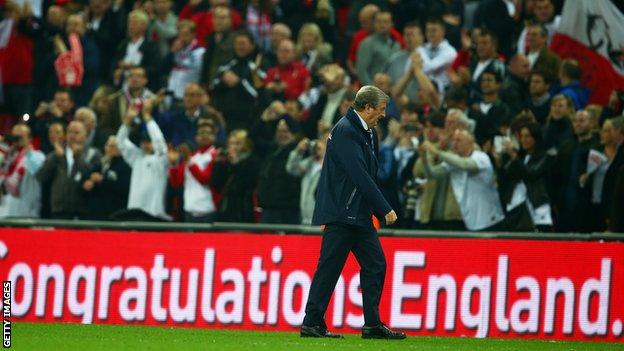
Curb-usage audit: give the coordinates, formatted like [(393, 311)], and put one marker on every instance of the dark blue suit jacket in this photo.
[(348, 192)]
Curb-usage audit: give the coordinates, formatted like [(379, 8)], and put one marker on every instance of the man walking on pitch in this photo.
[(347, 197)]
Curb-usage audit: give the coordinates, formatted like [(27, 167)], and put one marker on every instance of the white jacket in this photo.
[(148, 181)]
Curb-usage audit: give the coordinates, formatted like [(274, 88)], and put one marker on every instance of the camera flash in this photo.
[(26, 117)]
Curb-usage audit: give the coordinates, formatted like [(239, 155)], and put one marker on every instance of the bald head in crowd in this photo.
[(23, 132), (87, 117), (463, 142), (279, 32), (366, 15), (76, 133), (286, 52)]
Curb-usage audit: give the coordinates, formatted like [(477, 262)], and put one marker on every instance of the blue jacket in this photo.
[(348, 192), (576, 92)]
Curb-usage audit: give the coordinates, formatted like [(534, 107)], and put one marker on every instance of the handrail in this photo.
[(292, 229)]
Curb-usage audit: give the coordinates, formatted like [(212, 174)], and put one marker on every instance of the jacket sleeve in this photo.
[(530, 172), (351, 158), (157, 138), (48, 170), (296, 165), (129, 151)]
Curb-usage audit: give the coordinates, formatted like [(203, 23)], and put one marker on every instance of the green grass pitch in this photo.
[(31, 336)]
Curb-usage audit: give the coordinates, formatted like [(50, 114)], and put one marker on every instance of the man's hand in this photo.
[(230, 79), (77, 149), (96, 177), (173, 155), (41, 109), (58, 149), (130, 115), (148, 106), (391, 217), (303, 145)]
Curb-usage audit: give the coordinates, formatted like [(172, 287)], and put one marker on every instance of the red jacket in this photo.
[(17, 59), (295, 76), (205, 21)]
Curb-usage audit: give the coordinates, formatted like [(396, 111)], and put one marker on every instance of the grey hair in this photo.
[(89, 113), (369, 95), (618, 123)]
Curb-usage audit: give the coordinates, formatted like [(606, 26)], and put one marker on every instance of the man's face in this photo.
[(485, 47), (489, 84), (607, 133), (75, 25), (383, 23), (520, 66), (83, 116), (23, 133), (285, 52), (205, 136), (413, 37), (242, 46), (76, 133), (99, 7), (278, 33), (186, 36), (581, 123), (147, 147), (56, 16), (383, 82), (137, 79), (193, 96), (111, 149), (56, 133), (162, 7), (537, 85), (462, 143), (374, 114), (365, 17), (63, 101), (432, 133), (543, 10), (222, 19), (293, 109), (136, 27), (434, 33), (283, 135), (534, 38)]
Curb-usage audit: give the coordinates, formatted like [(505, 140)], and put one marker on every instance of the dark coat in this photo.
[(111, 195), (515, 93), (150, 60), (572, 201), (67, 195), (277, 189), (534, 175), (110, 32), (237, 184), (488, 125), (236, 103), (616, 223), (348, 192), (217, 54), (610, 180)]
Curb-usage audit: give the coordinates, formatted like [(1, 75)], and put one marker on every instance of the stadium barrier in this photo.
[(456, 284)]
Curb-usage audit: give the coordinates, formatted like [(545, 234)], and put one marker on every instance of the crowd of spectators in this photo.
[(217, 110)]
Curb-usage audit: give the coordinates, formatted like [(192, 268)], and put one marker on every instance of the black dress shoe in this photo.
[(381, 332), (317, 332)]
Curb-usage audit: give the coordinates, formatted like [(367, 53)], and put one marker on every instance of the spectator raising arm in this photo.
[(129, 151)]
